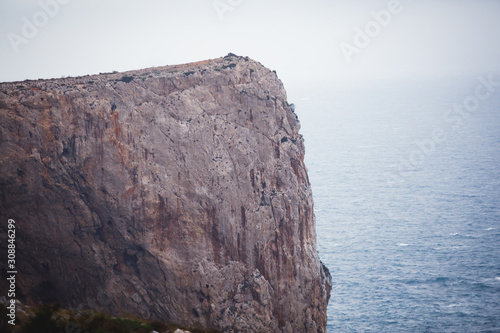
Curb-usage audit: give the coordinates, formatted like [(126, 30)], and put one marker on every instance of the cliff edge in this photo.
[(177, 193)]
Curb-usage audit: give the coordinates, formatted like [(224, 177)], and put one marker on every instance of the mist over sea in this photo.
[(407, 202)]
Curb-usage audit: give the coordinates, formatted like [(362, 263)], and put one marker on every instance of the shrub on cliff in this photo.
[(98, 322), (42, 321)]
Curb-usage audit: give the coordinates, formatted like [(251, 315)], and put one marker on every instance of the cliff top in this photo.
[(227, 62)]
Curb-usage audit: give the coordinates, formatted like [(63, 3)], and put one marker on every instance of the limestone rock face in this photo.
[(176, 193)]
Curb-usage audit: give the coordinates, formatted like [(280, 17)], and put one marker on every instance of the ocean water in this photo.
[(407, 203)]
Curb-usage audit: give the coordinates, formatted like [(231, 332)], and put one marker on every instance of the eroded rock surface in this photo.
[(178, 193)]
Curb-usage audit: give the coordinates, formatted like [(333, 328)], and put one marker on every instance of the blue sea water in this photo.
[(407, 204)]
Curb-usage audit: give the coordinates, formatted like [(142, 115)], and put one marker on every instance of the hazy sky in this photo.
[(304, 41)]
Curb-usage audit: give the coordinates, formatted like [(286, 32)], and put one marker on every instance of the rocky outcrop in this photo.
[(178, 193)]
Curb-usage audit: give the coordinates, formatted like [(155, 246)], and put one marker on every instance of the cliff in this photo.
[(178, 193)]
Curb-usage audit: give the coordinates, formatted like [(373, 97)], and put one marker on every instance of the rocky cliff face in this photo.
[(178, 193)]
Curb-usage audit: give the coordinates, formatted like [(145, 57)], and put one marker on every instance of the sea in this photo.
[(406, 184)]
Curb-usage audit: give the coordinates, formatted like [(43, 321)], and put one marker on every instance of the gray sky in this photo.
[(301, 40)]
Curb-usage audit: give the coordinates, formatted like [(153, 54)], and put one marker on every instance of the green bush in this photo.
[(127, 79), (98, 322), (53, 319), (231, 65), (326, 270), (42, 321)]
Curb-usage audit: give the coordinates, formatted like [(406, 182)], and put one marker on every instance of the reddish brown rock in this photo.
[(178, 193)]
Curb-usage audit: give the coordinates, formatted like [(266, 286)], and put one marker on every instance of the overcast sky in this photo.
[(306, 42)]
